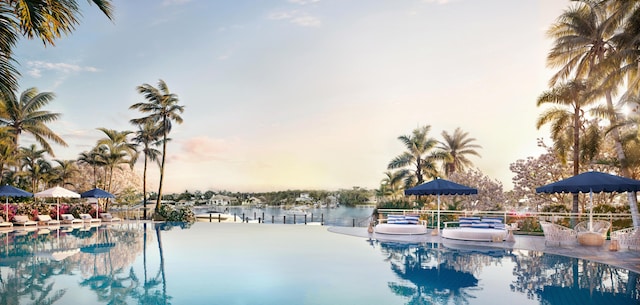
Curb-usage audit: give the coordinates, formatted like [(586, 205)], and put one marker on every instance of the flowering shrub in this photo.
[(182, 214)]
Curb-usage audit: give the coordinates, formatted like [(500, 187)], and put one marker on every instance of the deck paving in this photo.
[(623, 258)]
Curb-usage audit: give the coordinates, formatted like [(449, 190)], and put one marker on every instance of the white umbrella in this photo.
[(57, 192)]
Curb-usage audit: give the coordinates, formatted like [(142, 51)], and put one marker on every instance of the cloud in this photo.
[(296, 17), (304, 2), (203, 149), (35, 68)]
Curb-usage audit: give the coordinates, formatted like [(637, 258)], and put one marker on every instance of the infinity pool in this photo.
[(228, 263)]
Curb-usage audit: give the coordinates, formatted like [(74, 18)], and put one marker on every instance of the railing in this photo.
[(528, 223)]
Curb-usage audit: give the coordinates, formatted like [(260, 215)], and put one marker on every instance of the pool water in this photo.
[(229, 263)]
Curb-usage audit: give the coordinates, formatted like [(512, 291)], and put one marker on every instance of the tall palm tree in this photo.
[(567, 120), (458, 146), (420, 155), (43, 19), (25, 114), (147, 136), (116, 150), (585, 37), (163, 108)]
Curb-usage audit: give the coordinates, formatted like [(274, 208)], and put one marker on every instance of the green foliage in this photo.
[(180, 214), (556, 208)]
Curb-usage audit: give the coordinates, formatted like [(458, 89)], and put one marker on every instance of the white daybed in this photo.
[(476, 229), (401, 224)]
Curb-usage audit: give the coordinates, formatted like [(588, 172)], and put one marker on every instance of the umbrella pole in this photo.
[(590, 210), (438, 228)]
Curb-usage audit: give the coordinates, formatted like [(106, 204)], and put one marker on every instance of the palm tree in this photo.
[(115, 150), (163, 109), (458, 146), (585, 37), (147, 136), (391, 184), (65, 170), (567, 124), (92, 159), (25, 115), (419, 154), (47, 20), (34, 164)]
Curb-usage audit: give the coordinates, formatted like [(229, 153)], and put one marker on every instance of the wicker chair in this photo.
[(629, 237), (597, 226), (557, 233)]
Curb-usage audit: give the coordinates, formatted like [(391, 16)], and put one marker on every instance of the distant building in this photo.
[(221, 200)]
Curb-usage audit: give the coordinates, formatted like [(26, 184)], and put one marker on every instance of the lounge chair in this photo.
[(69, 219), (47, 220), (594, 235), (86, 218), (628, 238), (557, 233), (23, 220), (5, 224), (107, 217)]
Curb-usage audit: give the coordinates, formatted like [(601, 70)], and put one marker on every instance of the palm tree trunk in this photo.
[(144, 189), (164, 153), (576, 160), (624, 169)]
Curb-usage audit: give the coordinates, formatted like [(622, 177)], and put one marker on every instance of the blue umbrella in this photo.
[(590, 182), (10, 191), (97, 193), (440, 187)]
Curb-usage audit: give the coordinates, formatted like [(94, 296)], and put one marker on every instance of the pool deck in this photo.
[(627, 259)]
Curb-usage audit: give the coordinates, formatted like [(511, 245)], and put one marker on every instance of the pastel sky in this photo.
[(302, 94)]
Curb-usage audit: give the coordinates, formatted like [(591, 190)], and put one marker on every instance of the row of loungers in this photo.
[(46, 220)]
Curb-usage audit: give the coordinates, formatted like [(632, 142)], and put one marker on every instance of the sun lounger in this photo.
[(476, 229), (47, 220), (5, 224), (86, 218), (557, 233), (69, 219), (107, 217), (401, 225), (23, 220)]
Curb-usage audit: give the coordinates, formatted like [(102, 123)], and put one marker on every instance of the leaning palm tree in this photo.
[(43, 19), (458, 146), (568, 123), (147, 136), (163, 108), (25, 114), (420, 155)]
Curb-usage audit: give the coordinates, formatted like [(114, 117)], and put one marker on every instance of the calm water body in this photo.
[(233, 263), (340, 216)]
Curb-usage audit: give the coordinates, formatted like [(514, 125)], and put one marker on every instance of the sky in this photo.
[(302, 94)]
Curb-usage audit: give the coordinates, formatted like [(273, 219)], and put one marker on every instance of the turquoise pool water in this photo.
[(228, 263)]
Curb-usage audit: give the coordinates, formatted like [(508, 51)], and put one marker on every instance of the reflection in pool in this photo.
[(204, 263)]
